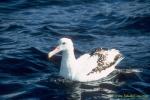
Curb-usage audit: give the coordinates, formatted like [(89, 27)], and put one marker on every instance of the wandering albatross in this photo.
[(88, 67)]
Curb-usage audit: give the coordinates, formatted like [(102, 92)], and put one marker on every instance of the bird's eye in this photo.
[(63, 43)]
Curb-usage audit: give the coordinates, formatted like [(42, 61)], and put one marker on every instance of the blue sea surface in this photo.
[(29, 29)]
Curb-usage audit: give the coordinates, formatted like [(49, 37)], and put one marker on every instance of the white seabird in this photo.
[(88, 67)]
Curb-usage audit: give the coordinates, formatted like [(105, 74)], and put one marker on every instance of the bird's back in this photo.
[(93, 65)]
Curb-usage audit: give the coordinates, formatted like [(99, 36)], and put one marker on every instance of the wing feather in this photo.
[(106, 58)]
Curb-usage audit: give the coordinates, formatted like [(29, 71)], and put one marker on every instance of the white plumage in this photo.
[(88, 67)]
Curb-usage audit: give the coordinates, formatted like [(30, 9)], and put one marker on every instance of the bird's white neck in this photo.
[(68, 64)]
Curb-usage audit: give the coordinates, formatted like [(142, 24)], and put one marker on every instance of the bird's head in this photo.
[(64, 44)]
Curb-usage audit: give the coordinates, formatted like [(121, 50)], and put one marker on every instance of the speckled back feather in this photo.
[(102, 64)]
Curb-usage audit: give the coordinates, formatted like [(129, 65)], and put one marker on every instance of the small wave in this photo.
[(139, 23), (14, 66), (5, 41), (9, 88), (12, 27)]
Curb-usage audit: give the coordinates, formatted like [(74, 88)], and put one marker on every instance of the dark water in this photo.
[(30, 28)]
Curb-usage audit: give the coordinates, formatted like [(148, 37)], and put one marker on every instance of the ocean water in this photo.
[(29, 29)]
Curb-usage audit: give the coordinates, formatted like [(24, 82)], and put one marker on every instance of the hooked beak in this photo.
[(52, 53)]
